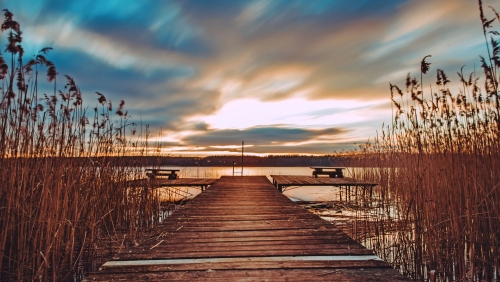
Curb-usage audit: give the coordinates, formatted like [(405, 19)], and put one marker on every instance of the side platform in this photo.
[(284, 181), (202, 183)]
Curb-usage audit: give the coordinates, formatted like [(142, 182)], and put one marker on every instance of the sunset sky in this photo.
[(285, 76)]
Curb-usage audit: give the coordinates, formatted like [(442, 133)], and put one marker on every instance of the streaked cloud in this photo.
[(288, 76), (247, 113)]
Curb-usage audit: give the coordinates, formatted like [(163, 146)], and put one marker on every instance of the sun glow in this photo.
[(247, 113), (230, 146)]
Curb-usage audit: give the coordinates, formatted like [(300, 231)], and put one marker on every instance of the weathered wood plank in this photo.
[(323, 274), (249, 265), (165, 247), (227, 253), (246, 234), (249, 240), (231, 217), (229, 243)]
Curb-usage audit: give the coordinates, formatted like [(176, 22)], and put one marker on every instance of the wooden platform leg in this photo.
[(364, 195), (356, 194)]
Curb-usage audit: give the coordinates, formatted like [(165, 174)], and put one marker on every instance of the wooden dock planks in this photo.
[(179, 182), (244, 229), (304, 180)]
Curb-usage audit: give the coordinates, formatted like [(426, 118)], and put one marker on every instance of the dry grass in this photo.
[(438, 165), (59, 216)]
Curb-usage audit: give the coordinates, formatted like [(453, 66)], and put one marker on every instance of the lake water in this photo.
[(309, 193)]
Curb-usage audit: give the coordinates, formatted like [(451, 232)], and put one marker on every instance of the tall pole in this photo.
[(242, 148)]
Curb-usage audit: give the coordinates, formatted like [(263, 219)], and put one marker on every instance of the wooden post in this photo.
[(356, 194), (242, 149)]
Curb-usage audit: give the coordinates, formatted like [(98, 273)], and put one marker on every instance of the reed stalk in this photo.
[(65, 205)]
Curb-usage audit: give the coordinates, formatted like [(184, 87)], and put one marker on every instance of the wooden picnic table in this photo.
[(159, 172), (332, 172)]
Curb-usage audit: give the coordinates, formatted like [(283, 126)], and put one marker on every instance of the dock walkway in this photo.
[(244, 229)]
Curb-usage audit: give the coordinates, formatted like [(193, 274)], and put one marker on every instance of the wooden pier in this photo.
[(244, 229)]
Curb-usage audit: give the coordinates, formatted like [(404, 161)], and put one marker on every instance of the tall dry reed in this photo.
[(438, 165), (61, 215)]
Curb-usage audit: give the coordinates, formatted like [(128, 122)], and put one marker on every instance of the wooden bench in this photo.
[(332, 172), (153, 173)]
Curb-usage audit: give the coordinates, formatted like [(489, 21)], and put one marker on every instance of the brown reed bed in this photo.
[(438, 165), (61, 216)]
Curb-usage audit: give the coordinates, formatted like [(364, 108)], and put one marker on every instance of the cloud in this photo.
[(246, 113), (117, 53), (218, 71), (261, 136)]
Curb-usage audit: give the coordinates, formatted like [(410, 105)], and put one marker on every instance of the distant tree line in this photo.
[(271, 160)]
